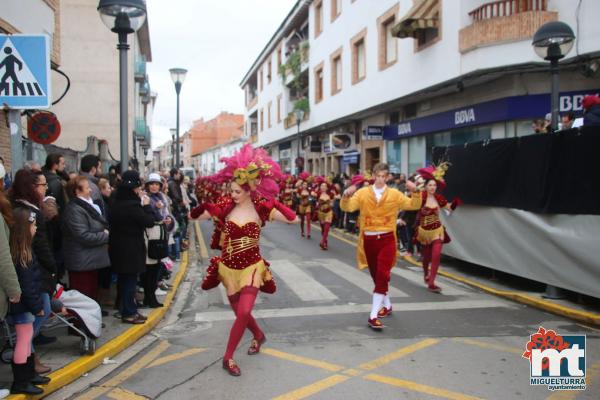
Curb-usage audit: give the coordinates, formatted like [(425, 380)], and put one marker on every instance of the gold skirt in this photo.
[(325, 216), (426, 236), (235, 279), (304, 209)]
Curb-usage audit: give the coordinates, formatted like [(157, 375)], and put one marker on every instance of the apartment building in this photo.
[(387, 80)]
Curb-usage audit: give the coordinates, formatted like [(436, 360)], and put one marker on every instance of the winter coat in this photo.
[(31, 289), (42, 247), (55, 188), (85, 244), (9, 282), (128, 221), (592, 116), (96, 193)]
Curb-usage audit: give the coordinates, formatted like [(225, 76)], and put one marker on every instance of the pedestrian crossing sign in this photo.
[(24, 71)]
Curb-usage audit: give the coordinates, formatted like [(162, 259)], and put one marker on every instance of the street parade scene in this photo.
[(341, 199)]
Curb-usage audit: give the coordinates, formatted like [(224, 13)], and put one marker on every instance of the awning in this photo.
[(423, 15)]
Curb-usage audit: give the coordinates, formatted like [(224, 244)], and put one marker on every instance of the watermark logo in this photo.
[(556, 361)]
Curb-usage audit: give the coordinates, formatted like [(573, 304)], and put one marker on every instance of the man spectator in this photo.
[(90, 165), (566, 121), (55, 164), (175, 189)]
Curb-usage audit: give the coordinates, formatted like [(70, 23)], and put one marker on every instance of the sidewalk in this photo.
[(64, 357), (577, 307)]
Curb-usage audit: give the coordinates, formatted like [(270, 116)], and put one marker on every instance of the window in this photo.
[(336, 9), (336, 71), (278, 57), (416, 153), (388, 44), (425, 37), (262, 119), (260, 80), (318, 17), (394, 160), (319, 82), (269, 71), (359, 57), (269, 113), (279, 109)]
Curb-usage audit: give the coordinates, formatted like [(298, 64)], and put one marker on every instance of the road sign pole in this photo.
[(16, 141)]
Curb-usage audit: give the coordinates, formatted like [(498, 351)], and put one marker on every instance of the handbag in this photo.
[(158, 248)]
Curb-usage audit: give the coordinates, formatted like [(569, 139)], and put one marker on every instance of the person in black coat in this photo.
[(130, 216)]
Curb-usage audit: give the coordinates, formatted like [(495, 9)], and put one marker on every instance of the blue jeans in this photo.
[(39, 321), (175, 248), (126, 286)]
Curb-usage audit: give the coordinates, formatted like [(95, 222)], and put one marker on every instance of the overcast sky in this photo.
[(216, 41)]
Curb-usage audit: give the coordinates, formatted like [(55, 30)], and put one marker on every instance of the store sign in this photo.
[(315, 146), (285, 153), (373, 133), (339, 142), (505, 109), (351, 157)]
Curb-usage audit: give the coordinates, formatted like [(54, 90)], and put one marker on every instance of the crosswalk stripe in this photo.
[(301, 283), (214, 316), (358, 278), (417, 279)]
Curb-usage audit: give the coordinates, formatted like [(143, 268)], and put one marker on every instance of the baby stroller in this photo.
[(83, 318)]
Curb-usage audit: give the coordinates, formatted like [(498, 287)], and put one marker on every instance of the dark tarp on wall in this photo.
[(545, 173)]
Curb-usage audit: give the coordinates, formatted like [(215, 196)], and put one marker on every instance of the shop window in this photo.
[(416, 153), (393, 156)]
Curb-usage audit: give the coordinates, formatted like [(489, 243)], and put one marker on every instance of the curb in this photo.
[(572, 313), (75, 369)]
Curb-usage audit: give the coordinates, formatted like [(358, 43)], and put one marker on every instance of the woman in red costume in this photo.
[(430, 232), (286, 195), (241, 268), (304, 210), (325, 196)]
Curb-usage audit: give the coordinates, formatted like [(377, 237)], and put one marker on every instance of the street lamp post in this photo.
[(123, 17), (178, 76), (299, 116), (172, 148), (552, 42)]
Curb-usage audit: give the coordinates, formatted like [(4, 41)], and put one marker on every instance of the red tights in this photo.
[(324, 234), (431, 255), (242, 304), (302, 218)]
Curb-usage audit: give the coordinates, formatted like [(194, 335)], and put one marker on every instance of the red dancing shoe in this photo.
[(384, 312), (434, 289), (231, 367), (255, 345), (376, 324)]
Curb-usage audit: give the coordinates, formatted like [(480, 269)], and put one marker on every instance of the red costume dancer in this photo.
[(430, 232), (325, 196), (304, 203), (286, 195), (241, 268)]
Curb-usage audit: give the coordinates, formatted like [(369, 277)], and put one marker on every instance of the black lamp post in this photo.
[(123, 17), (178, 76), (172, 148), (552, 42), (299, 116)]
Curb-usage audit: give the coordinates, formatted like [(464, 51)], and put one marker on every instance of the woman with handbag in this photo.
[(157, 239)]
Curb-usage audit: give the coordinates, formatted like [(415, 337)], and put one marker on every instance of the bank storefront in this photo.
[(409, 143)]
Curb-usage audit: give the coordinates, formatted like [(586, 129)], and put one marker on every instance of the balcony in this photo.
[(140, 69), (295, 64), (290, 120), (504, 21), (141, 130)]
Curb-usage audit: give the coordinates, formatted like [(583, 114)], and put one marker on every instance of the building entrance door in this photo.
[(372, 157)]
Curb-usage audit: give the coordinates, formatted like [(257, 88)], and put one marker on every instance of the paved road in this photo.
[(462, 344)]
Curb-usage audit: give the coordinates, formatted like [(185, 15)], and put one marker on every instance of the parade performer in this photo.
[(379, 207), (431, 233), (241, 268), (286, 195), (304, 203), (325, 196)]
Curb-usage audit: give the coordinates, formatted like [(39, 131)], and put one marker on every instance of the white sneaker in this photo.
[(4, 393), (160, 292)]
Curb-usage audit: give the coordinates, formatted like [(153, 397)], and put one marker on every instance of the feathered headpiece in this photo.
[(252, 169), (435, 173)]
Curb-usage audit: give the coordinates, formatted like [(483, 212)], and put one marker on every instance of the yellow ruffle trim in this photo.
[(235, 279), (425, 236)]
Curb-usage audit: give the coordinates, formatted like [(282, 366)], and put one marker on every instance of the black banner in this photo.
[(542, 173)]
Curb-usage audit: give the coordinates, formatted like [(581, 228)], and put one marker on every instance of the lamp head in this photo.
[(178, 75), (122, 16), (553, 40), (299, 115)]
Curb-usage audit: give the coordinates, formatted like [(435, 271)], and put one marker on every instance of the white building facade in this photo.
[(208, 162), (464, 71)]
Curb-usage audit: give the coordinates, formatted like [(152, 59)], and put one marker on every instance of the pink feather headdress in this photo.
[(252, 169)]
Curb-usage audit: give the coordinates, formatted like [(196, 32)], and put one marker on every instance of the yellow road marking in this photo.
[(311, 389), (492, 346), (200, 239), (122, 394), (417, 387), (175, 357), (592, 374), (352, 372), (302, 360), (371, 365), (126, 374)]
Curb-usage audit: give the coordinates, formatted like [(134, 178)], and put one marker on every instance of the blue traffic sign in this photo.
[(24, 71)]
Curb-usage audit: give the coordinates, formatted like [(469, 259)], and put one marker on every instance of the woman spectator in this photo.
[(130, 216), (27, 192), (85, 238), (9, 283), (105, 274)]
